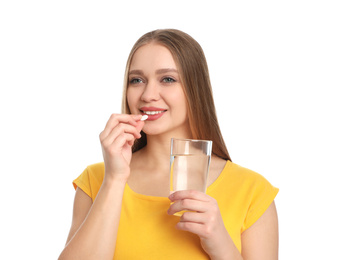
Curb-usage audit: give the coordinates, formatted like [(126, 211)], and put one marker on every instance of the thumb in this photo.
[(139, 125)]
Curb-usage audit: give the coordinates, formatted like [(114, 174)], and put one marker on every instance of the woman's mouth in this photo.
[(153, 113)]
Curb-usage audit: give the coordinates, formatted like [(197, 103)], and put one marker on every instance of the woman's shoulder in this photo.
[(233, 173), (96, 172), (90, 179), (247, 180), (96, 168), (242, 173), (253, 190)]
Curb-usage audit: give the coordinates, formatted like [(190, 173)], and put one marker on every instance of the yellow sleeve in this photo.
[(262, 195), (90, 180)]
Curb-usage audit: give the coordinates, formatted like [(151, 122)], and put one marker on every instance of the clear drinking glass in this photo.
[(189, 164)]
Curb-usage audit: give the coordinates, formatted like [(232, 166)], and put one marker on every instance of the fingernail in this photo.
[(144, 117)]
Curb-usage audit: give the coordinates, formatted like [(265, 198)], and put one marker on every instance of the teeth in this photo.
[(152, 112)]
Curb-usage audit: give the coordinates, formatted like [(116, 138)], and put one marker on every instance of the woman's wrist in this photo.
[(115, 179)]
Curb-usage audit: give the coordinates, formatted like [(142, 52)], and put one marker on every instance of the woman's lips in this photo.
[(153, 113)]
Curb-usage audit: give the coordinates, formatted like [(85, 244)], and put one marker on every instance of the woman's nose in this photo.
[(151, 92)]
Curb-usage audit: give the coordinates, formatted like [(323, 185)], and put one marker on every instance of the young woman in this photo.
[(121, 207)]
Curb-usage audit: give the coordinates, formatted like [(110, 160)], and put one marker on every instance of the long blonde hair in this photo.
[(194, 74)]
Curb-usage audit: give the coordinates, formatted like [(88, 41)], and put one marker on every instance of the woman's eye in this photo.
[(168, 80), (135, 81)]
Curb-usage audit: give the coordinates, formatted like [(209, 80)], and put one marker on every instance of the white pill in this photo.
[(144, 117)]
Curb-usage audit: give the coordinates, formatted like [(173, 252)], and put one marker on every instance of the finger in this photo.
[(115, 148), (196, 228), (188, 204), (139, 125), (115, 119), (196, 217), (118, 130), (121, 141), (189, 194)]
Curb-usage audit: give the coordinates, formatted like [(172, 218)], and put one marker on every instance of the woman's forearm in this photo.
[(96, 237)]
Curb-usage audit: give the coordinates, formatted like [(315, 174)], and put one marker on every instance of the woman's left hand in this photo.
[(204, 219)]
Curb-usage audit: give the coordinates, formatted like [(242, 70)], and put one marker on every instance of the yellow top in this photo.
[(146, 231)]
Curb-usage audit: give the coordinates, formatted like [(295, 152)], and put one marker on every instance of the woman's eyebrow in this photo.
[(159, 71), (136, 72), (163, 71)]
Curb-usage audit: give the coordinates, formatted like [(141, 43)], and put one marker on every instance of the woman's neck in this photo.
[(157, 151)]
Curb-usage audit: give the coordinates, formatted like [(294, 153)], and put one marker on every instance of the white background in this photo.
[(273, 66)]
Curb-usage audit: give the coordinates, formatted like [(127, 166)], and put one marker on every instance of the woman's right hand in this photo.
[(116, 141)]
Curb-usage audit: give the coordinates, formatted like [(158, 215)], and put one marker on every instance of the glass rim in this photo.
[(190, 140)]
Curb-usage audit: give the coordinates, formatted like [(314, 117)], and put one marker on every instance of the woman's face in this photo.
[(155, 89)]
